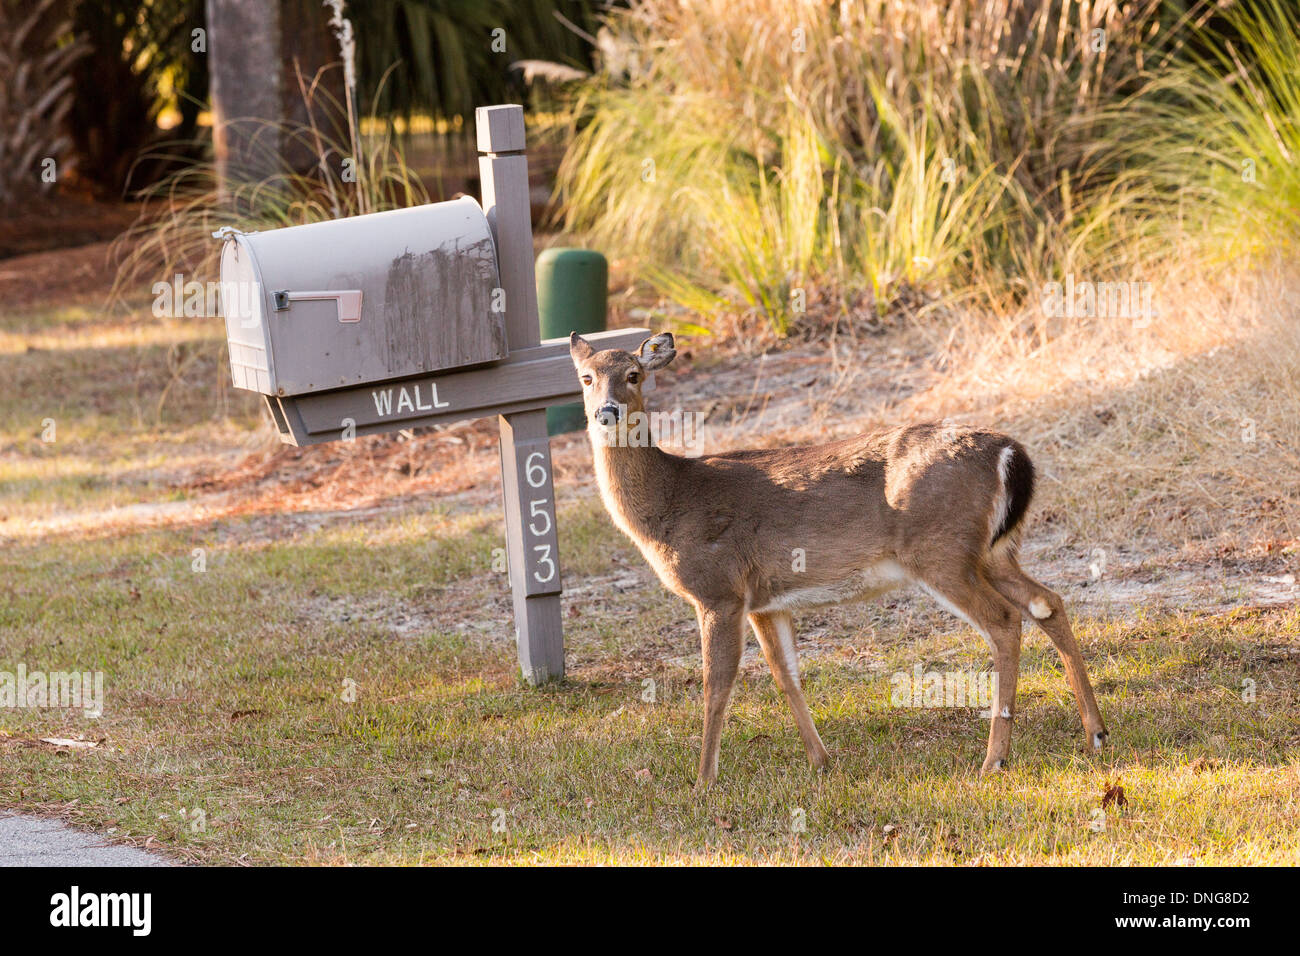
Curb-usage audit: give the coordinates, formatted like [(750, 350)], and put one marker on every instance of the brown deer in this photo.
[(938, 505)]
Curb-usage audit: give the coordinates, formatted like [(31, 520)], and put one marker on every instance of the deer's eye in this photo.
[(586, 380), (633, 377)]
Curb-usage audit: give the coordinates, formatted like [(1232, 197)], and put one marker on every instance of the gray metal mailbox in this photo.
[(421, 316), (371, 298)]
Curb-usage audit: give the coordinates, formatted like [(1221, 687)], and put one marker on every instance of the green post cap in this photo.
[(572, 294)]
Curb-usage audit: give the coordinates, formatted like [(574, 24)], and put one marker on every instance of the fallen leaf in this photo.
[(722, 822), (1114, 795)]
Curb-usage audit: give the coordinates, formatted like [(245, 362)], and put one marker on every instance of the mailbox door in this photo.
[(369, 298), (247, 333)]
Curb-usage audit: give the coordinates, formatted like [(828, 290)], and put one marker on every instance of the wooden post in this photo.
[(532, 545)]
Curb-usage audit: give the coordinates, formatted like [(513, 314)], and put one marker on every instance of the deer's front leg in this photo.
[(721, 631)]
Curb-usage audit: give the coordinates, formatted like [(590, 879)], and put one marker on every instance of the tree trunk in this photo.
[(258, 49)]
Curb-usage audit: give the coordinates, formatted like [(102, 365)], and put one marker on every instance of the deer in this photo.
[(938, 505)]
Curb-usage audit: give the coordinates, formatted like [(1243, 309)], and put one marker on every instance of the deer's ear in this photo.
[(579, 350), (656, 351)]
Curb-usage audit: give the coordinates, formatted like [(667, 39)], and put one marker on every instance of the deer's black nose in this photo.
[(607, 415)]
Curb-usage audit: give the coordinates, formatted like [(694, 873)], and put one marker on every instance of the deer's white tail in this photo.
[(1016, 477)]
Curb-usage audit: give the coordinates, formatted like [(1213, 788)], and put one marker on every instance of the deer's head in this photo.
[(612, 379)]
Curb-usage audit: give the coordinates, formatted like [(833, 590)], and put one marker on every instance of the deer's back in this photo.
[(825, 523)]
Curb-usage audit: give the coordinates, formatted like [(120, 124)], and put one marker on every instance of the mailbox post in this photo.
[(415, 317), (532, 543)]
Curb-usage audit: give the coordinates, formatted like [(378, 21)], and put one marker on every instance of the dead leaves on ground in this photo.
[(1114, 796)]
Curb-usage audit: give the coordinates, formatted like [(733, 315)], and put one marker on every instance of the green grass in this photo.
[(224, 691), (1220, 134)]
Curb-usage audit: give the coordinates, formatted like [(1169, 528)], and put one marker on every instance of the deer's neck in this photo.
[(637, 486)]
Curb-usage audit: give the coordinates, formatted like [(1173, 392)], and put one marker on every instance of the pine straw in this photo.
[(362, 473)]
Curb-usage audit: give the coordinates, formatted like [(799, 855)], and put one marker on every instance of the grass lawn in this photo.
[(226, 692), (303, 684)]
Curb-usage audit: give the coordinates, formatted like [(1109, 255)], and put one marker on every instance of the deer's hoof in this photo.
[(993, 766), (1098, 740)]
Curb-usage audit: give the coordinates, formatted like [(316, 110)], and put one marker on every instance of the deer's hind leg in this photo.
[(775, 630), (968, 594), (1045, 607)]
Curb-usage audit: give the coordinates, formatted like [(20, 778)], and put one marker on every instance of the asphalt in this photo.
[(32, 841)]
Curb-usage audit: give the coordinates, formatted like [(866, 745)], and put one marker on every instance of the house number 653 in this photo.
[(539, 511)]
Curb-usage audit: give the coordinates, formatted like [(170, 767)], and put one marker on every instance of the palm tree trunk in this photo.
[(259, 50)]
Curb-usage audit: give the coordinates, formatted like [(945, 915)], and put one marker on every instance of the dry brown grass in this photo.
[(1184, 432)]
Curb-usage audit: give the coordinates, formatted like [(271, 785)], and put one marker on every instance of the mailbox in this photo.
[(417, 317), (368, 299)]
